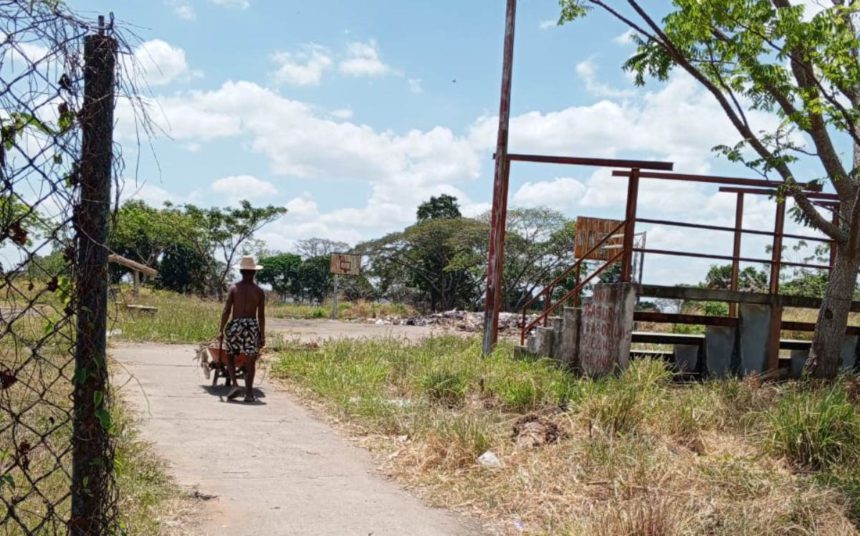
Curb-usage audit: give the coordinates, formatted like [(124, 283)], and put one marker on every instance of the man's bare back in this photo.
[(243, 322), (246, 299)]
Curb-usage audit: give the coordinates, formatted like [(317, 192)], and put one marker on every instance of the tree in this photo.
[(749, 279), (320, 247), (281, 271), (430, 261), (182, 269), (443, 207), (768, 55), (143, 233), (315, 278), (220, 233)]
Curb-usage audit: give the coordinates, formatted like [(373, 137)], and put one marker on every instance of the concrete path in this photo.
[(273, 468)]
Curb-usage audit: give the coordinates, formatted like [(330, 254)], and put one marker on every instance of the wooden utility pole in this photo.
[(92, 458)]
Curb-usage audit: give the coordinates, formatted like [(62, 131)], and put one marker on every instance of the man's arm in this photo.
[(228, 309), (261, 318)]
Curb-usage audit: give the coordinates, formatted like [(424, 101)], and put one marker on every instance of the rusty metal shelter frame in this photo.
[(635, 171)]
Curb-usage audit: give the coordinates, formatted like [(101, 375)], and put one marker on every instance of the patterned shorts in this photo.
[(243, 337)]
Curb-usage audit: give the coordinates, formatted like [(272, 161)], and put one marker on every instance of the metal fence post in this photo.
[(496, 262), (630, 226), (736, 252), (92, 458), (779, 230)]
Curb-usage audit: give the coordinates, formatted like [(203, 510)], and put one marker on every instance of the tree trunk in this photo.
[(825, 358)]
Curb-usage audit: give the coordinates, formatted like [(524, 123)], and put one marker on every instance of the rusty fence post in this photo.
[(776, 257), (630, 225), (496, 260), (92, 458), (736, 252)]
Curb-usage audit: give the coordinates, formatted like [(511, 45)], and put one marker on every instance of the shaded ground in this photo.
[(269, 468)]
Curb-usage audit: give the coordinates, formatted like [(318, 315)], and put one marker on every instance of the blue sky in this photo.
[(351, 113)]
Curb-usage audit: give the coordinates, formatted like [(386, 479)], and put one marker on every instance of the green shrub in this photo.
[(445, 386), (814, 429)]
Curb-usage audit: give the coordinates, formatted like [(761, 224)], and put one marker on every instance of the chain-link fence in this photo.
[(56, 120)]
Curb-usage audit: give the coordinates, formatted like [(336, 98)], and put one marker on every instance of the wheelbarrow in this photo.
[(213, 359)]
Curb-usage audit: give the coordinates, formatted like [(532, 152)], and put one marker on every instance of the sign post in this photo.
[(342, 264), (334, 300)]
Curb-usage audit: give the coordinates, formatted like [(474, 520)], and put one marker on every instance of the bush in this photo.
[(814, 429), (445, 387)]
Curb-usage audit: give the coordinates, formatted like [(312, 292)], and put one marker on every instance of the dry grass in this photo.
[(638, 454), (38, 485)]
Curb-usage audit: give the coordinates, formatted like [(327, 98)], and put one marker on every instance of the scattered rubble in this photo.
[(533, 431), (454, 319), (489, 459)]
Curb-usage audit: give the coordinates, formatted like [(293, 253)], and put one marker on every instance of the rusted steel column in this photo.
[(779, 229), (630, 226), (577, 300), (500, 192), (736, 251)]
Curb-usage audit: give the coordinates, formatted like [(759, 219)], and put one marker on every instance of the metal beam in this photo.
[(596, 162), (710, 179)]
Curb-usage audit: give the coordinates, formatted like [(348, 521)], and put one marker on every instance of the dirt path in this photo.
[(273, 468)]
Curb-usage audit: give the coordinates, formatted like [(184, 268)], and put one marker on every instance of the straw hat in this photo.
[(248, 263)]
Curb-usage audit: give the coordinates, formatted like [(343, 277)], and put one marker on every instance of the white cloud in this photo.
[(625, 39), (415, 86), (560, 194), (25, 52), (241, 4), (363, 59), (182, 9), (342, 113), (304, 68), (302, 206), (676, 122), (244, 187), (587, 70), (160, 63), (547, 24)]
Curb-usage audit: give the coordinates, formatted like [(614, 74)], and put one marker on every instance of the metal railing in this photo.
[(576, 269)]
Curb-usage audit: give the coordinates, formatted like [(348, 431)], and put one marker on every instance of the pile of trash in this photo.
[(454, 319)]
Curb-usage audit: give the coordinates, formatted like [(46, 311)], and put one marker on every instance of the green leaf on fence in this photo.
[(104, 418)]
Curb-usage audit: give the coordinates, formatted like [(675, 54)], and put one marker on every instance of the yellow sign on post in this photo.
[(345, 264)]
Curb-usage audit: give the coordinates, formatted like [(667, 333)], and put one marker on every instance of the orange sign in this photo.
[(345, 264), (590, 231)]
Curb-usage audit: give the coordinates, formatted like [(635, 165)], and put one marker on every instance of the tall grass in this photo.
[(816, 429), (639, 454), (178, 319)]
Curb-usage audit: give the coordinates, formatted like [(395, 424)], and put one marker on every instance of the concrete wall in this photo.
[(754, 331), (607, 328), (567, 347), (720, 350)]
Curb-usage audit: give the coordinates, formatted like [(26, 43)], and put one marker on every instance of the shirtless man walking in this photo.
[(245, 333)]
